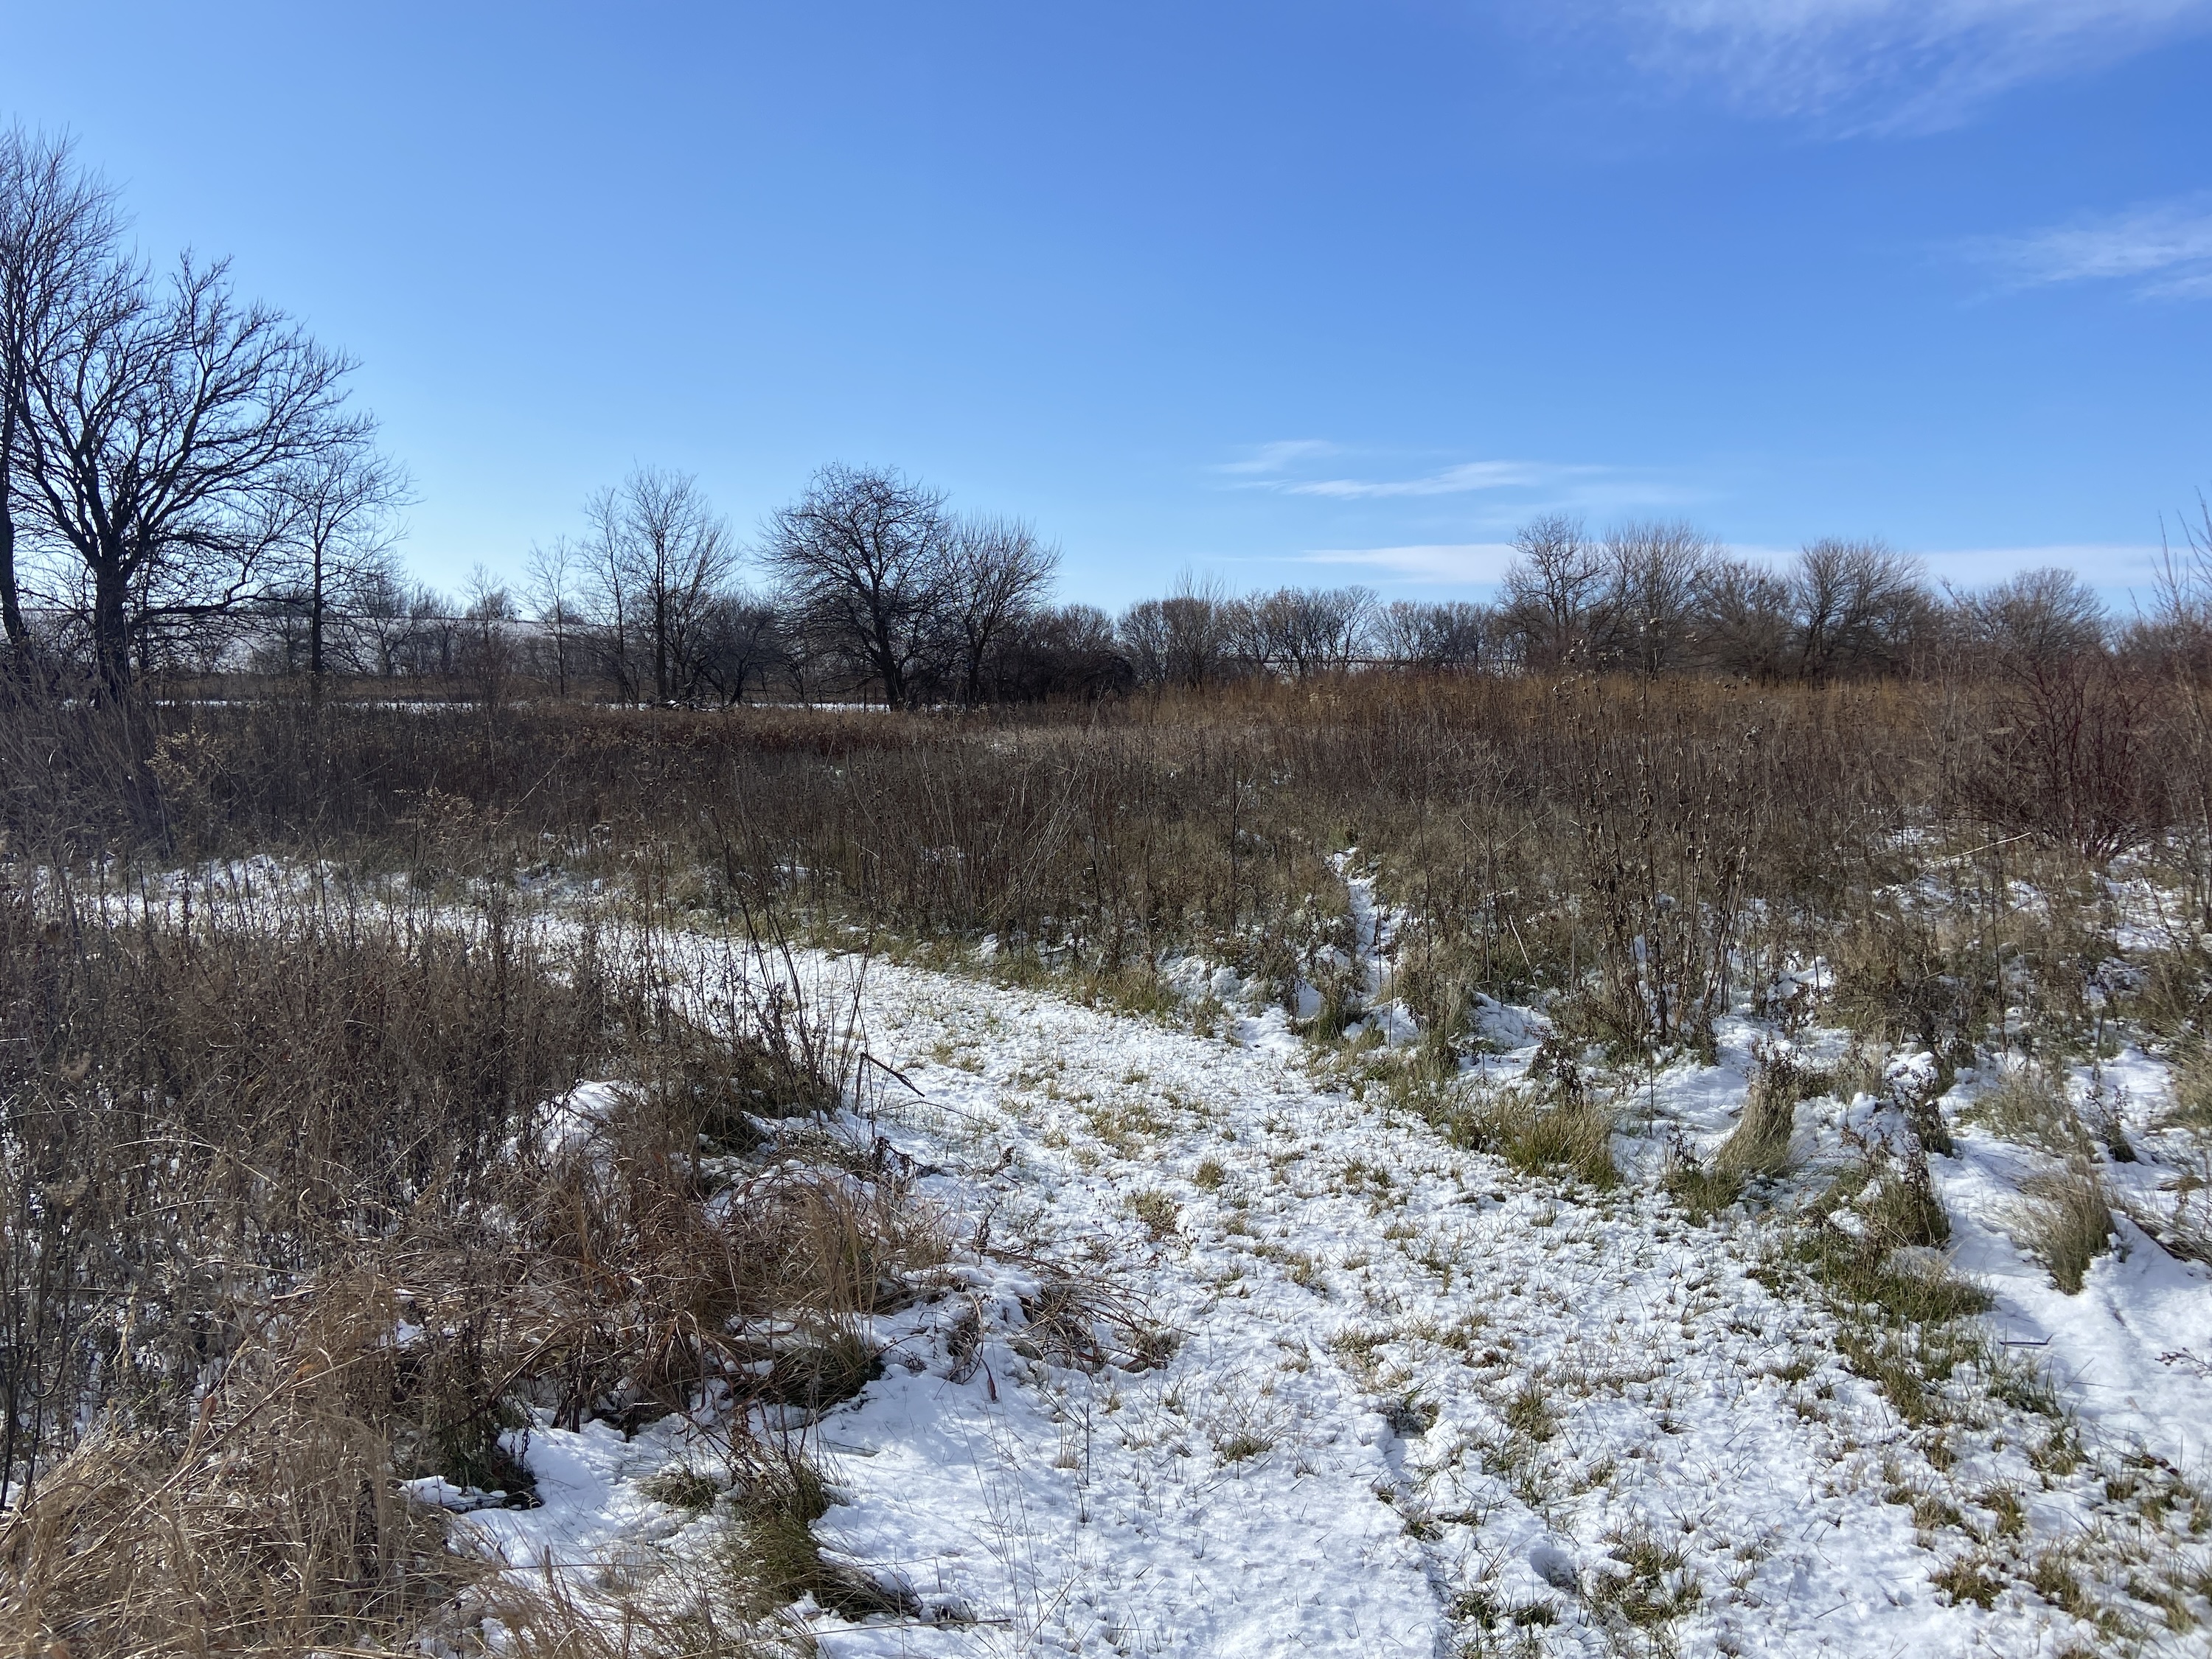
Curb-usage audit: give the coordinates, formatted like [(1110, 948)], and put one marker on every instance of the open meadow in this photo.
[(1393, 1165)]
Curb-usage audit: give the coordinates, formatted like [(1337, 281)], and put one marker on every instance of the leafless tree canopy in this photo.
[(661, 557), (335, 525), (1188, 639), (1301, 631), (152, 422), (1858, 607), (57, 228), (864, 556), (183, 484), (1651, 602), (1552, 593), (1655, 597), (1450, 634), (2038, 616), (998, 573), (1746, 611)]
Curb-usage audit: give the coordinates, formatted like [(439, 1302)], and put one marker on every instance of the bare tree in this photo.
[(1142, 634), (1186, 639), (1299, 631), (661, 555), (1653, 572), (555, 576), (487, 654), (2066, 749), (865, 556), (57, 233), (1858, 603), (337, 511), (2038, 618), (998, 573), (1064, 651), (741, 636), (155, 423), (1745, 623), (805, 648), (1448, 634), (1261, 628), (430, 636), (1552, 593), (2184, 578), (380, 621)]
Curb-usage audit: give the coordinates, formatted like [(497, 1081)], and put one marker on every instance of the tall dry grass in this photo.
[(250, 1131), (1641, 850), (298, 1200)]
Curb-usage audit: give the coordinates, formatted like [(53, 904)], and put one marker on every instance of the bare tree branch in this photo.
[(867, 554), (58, 233), (157, 421)]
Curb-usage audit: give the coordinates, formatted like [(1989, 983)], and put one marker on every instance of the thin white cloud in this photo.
[(1506, 491), (1458, 480), (1279, 456), (2112, 566), (2164, 249), (1893, 65), (1445, 562), (2116, 567)]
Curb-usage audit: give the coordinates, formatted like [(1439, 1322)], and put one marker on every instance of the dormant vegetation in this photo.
[(431, 1021)]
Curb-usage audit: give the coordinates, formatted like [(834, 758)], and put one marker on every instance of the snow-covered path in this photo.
[(1236, 1359), (1416, 1399)]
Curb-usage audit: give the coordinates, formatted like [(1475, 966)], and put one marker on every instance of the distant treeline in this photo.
[(185, 490), (870, 588)]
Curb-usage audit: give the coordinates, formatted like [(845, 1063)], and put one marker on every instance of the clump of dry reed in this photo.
[(1628, 850), (267, 1519), (252, 1135)]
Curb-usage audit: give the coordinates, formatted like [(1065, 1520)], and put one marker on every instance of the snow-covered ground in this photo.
[(1355, 1391)]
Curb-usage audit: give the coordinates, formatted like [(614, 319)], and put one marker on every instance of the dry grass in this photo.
[(1902, 1321), (1159, 1213), (267, 1521), (2193, 1091), (1536, 1130), (2065, 1221), (1637, 853), (232, 1128), (1529, 832), (238, 1123), (1759, 1147), (2030, 1107)]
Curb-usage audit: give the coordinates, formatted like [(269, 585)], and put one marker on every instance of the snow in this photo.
[(577, 1124), (1411, 1394), (2132, 1348), (1361, 1391)]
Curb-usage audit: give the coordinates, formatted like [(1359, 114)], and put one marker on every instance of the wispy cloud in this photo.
[(1467, 477), (1893, 65), (2115, 566), (1443, 561), (2163, 249), (1279, 456), (1503, 491)]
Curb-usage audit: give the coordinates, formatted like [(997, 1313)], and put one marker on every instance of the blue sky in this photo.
[(1293, 292)]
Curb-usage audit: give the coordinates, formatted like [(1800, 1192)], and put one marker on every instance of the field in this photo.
[(1383, 1163)]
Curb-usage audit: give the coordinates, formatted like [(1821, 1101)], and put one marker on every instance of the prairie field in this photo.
[(1380, 1164)]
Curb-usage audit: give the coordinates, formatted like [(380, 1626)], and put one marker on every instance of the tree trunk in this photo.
[(11, 598), (11, 603), (110, 626), (315, 628), (887, 666)]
